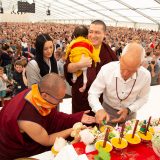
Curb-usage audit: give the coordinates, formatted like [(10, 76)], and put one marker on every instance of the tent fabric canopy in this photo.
[(129, 11)]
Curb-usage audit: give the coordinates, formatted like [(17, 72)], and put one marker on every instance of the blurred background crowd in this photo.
[(17, 48)]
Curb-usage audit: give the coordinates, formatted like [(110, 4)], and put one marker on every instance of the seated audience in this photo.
[(28, 51), (19, 77), (155, 72), (3, 85), (60, 65)]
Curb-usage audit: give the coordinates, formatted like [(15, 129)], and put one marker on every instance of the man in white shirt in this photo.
[(125, 86)]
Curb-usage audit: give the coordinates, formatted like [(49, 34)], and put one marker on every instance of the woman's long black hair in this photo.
[(44, 68)]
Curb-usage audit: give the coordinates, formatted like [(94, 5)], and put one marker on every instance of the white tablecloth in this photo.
[(67, 153)]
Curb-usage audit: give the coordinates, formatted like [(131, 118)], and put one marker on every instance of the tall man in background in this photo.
[(96, 35)]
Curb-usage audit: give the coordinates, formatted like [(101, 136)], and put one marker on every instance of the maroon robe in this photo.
[(13, 143), (80, 99)]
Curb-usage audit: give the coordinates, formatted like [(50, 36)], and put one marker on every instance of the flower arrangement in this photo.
[(155, 122), (129, 125), (156, 140)]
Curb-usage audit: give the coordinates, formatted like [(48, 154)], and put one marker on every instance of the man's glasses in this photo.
[(57, 99)]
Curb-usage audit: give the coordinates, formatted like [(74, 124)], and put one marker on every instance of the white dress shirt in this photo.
[(105, 83)]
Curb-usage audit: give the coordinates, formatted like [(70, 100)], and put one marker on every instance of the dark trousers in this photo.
[(113, 114)]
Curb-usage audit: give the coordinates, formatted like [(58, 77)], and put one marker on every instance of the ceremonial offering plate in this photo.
[(145, 138), (117, 145), (104, 127), (132, 141), (108, 146)]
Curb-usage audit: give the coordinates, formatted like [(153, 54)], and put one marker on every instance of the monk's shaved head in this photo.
[(52, 84)]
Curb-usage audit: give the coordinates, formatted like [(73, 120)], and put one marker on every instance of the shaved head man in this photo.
[(125, 86), (29, 124), (131, 59)]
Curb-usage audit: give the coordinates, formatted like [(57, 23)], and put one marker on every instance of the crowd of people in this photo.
[(18, 42), (33, 54)]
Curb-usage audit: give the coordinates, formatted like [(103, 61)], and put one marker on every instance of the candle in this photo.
[(106, 137), (121, 134), (135, 127), (148, 125)]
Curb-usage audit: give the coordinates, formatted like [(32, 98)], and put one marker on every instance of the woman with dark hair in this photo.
[(44, 61)]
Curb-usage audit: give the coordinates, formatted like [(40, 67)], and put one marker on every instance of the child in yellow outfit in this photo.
[(78, 47)]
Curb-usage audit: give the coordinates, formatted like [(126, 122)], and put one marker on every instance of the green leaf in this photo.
[(102, 154)]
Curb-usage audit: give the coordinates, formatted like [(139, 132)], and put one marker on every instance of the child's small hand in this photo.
[(85, 61)]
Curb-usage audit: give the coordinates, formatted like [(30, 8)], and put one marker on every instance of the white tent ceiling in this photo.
[(116, 11)]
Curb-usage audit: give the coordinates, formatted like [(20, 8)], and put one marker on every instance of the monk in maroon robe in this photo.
[(96, 35), (29, 124)]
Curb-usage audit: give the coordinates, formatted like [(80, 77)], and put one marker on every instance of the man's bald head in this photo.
[(52, 84), (133, 53), (132, 58)]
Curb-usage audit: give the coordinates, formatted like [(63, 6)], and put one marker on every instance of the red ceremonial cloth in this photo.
[(142, 151)]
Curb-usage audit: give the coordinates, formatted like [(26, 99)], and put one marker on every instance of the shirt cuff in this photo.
[(132, 108), (95, 109)]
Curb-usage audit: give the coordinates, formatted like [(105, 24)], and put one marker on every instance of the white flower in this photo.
[(77, 126), (86, 136), (156, 143), (156, 140), (59, 143), (157, 129)]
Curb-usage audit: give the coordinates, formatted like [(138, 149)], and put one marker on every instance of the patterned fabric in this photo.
[(78, 47), (142, 151)]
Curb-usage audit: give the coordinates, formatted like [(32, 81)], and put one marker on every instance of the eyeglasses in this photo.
[(57, 99)]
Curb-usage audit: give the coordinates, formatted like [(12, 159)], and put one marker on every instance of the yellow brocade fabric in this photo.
[(75, 53), (35, 98)]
